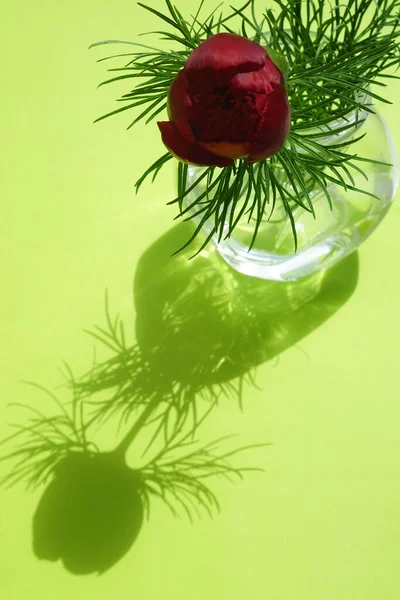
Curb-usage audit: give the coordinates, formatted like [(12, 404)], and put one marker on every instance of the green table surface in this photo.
[(322, 521)]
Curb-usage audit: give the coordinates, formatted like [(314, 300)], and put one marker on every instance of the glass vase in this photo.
[(334, 232)]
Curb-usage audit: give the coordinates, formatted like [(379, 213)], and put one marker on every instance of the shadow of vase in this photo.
[(202, 323)]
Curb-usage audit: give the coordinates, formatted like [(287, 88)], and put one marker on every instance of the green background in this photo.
[(323, 520)]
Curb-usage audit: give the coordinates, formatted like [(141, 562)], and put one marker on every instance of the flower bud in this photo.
[(228, 102)]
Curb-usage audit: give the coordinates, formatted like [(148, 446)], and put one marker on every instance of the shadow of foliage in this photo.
[(201, 331)]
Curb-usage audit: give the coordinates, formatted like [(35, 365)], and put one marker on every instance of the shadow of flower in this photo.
[(90, 514), (95, 503)]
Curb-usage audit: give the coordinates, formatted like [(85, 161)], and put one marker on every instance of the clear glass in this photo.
[(333, 234)]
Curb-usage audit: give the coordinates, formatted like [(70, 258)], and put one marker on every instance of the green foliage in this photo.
[(337, 55)]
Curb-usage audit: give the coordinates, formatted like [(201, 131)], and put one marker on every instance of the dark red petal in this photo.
[(186, 151), (220, 57), (263, 81), (178, 99), (226, 50), (179, 104), (274, 127), (260, 152)]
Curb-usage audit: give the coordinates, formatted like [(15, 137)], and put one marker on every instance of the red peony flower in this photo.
[(229, 101)]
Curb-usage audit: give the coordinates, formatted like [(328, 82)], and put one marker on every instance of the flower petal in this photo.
[(178, 99), (263, 81), (179, 104), (220, 57), (227, 149), (186, 151), (274, 127), (225, 51)]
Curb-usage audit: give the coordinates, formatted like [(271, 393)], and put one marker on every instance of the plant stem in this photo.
[(123, 446)]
